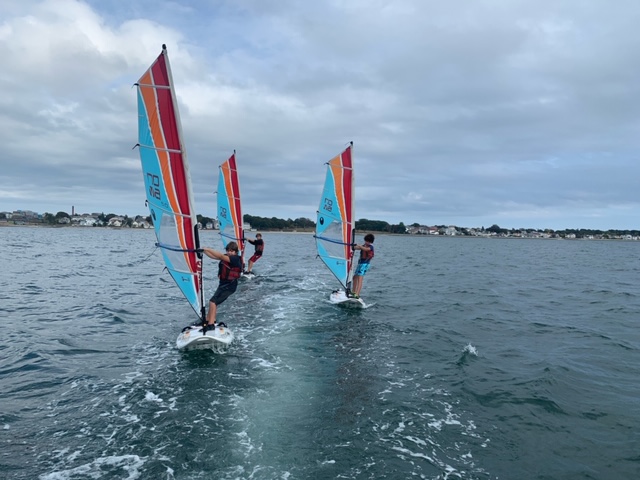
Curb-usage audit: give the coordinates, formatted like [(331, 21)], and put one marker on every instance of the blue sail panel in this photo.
[(225, 218), (329, 227)]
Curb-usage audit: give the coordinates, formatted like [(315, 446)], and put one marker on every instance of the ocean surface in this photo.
[(477, 359)]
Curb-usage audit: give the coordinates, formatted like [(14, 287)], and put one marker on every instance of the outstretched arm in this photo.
[(216, 255)]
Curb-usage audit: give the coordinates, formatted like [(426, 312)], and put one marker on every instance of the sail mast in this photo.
[(352, 219), (194, 219)]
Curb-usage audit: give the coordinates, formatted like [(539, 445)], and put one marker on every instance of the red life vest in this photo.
[(226, 271), (367, 255)]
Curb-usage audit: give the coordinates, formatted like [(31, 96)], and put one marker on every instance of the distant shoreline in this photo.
[(311, 232)]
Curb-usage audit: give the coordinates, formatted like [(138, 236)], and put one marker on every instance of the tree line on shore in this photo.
[(262, 223)]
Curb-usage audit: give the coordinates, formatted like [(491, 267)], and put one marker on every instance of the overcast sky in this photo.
[(472, 113)]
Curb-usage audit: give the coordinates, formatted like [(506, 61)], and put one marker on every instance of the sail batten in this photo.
[(151, 147), (167, 181), (150, 85), (335, 218)]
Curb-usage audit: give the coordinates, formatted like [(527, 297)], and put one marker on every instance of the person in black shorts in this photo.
[(229, 270)]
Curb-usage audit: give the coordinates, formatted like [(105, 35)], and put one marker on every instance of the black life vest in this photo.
[(258, 243)]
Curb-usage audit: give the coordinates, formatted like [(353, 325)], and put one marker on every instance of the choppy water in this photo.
[(481, 359)]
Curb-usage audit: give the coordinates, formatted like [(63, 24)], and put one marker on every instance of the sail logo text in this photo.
[(328, 205), (154, 182)]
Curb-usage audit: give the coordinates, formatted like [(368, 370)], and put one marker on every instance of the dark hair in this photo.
[(258, 235), (232, 246), (369, 238)]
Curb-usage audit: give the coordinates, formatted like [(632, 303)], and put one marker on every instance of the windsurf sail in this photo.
[(167, 180), (230, 216), (335, 224)]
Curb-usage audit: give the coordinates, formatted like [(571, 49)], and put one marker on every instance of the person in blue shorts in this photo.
[(366, 254)]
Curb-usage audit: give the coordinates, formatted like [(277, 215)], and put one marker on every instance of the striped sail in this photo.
[(167, 181), (230, 216), (335, 221)]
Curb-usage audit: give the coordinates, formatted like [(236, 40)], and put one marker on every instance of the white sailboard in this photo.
[(340, 297), (193, 338)]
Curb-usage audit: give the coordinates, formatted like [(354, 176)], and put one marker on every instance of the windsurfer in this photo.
[(259, 244), (366, 254), (229, 270)]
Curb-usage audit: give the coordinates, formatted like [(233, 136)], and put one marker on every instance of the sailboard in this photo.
[(230, 217), (335, 225), (169, 195)]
